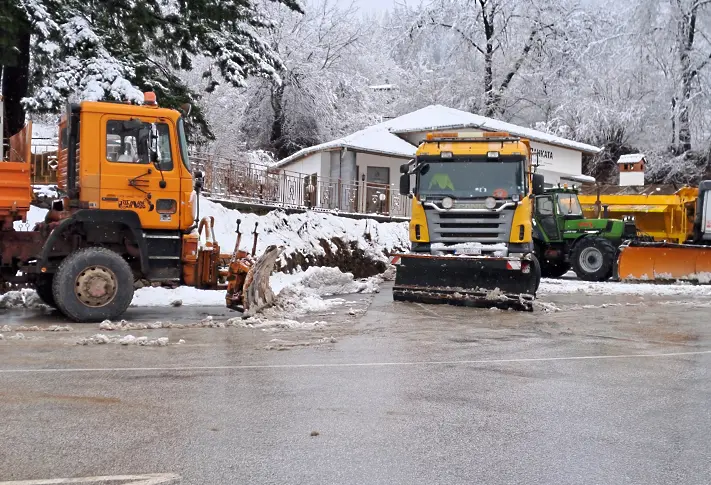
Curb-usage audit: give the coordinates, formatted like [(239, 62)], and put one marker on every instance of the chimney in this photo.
[(631, 169)]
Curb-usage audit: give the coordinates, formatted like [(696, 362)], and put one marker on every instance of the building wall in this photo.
[(310, 164), (631, 178)]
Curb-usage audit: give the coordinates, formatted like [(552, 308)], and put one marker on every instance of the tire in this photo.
[(554, 270), (536, 273), (593, 259), (98, 269), (43, 287)]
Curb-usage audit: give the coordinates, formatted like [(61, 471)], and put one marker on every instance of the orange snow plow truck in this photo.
[(127, 209), (681, 260)]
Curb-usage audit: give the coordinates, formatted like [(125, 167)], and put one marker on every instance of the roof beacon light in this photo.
[(496, 134), (446, 154), (149, 99), (493, 154)]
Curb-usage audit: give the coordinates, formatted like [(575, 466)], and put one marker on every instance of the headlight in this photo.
[(490, 203), (515, 197), (447, 203)]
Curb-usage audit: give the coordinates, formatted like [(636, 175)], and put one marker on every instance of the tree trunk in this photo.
[(15, 85), (277, 135), (684, 123)]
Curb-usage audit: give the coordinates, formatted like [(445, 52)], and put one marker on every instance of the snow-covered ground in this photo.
[(562, 286), (297, 294)]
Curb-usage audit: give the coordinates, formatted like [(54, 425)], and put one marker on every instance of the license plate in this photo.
[(468, 251)]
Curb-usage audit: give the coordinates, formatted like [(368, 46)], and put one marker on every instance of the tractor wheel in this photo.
[(554, 270), (43, 287), (93, 284), (593, 259)]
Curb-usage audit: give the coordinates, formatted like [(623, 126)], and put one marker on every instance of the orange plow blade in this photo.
[(664, 262)]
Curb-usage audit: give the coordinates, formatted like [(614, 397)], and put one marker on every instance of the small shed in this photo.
[(632, 169)]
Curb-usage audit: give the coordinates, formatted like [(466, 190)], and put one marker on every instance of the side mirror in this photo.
[(538, 184), (405, 184), (404, 168), (199, 181)]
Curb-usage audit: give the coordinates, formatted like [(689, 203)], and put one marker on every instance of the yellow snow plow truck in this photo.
[(471, 227)]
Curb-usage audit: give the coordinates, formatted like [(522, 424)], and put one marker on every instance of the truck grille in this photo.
[(459, 227)]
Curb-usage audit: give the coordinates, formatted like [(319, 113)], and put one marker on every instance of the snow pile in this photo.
[(555, 286), (316, 282), (298, 300), (100, 339), (301, 233), (266, 323), (331, 281), (24, 298)]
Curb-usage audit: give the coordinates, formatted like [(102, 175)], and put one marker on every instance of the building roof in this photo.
[(371, 140), (631, 158), (383, 138)]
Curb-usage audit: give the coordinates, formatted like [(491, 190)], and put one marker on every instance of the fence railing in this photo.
[(243, 181)]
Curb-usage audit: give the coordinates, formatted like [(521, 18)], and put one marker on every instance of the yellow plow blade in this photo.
[(664, 262)]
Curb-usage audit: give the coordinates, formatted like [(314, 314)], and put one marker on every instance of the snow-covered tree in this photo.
[(93, 49)]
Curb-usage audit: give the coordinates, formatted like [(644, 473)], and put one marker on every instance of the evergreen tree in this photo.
[(116, 49)]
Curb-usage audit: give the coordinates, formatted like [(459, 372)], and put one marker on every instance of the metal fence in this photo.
[(243, 181)]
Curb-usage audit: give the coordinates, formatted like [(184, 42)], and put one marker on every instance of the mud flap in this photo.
[(659, 261), (258, 294), (501, 282)]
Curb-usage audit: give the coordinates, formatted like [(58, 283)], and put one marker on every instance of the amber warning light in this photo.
[(149, 99)]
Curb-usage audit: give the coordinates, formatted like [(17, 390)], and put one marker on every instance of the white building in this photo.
[(374, 155)]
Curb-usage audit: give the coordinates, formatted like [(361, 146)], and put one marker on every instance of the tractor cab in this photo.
[(555, 207)]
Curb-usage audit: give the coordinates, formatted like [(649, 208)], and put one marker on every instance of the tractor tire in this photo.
[(93, 284), (554, 270), (43, 287), (593, 259)]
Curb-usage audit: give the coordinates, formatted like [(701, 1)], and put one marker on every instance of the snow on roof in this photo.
[(383, 138), (371, 140), (437, 117), (631, 158)]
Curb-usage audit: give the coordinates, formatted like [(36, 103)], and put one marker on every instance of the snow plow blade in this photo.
[(659, 261), (257, 292), (466, 280), (248, 289)]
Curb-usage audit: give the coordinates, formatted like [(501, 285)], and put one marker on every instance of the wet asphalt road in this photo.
[(400, 394)]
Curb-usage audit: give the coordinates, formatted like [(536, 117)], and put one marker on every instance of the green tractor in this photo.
[(563, 238)]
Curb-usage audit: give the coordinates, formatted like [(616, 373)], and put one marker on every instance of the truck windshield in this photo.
[(471, 178), (568, 205), (183, 140)]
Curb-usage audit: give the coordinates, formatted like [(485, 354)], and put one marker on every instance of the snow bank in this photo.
[(301, 233), (557, 286)]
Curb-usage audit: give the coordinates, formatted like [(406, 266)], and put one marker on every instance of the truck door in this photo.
[(139, 169), (545, 215)]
